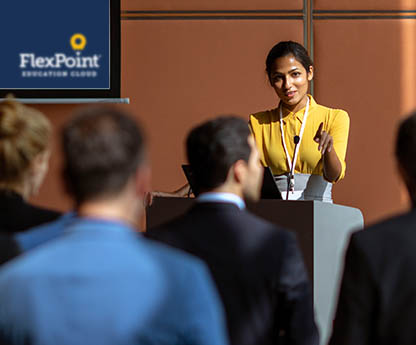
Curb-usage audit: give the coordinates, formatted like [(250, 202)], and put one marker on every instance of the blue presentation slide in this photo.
[(55, 44)]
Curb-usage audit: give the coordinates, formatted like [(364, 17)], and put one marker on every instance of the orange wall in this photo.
[(178, 72)]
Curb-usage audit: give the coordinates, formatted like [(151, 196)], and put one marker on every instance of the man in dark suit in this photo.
[(100, 282), (257, 266), (377, 302)]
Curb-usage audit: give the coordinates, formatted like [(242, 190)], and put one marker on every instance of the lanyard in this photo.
[(297, 145)]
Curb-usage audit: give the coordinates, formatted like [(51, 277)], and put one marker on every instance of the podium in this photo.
[(322, 230)]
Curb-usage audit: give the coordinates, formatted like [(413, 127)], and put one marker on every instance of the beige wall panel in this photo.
[(359, 68), (179, 73), (364, 5), (182, 5)]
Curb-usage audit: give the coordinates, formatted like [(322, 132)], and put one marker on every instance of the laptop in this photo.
[(187, 170), (269, 188)]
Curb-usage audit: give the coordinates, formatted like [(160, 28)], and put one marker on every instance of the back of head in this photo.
[(406, 149), (214, 146), (24, 134), (103, 147)]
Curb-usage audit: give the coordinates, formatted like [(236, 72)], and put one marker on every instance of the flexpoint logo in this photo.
[(78, 42), (61, 65)]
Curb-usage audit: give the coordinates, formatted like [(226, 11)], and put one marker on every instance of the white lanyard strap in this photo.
[(302, 128)]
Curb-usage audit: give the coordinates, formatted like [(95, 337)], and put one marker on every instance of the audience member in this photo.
[(24, 155), (258, 267), (101, 283), (377, 302)]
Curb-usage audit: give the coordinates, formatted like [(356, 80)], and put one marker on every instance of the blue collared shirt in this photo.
[(88, 287), (43, 233), (222, 197)]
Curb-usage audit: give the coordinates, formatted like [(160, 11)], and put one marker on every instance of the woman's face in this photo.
[(290, 82)]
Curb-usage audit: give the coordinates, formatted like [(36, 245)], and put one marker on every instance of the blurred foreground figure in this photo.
[(100, 282), (377, 303), (25, 135), (257, 266)]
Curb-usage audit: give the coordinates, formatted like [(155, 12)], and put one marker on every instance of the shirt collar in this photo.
[(299, 114), (222, 197), (103, 223)]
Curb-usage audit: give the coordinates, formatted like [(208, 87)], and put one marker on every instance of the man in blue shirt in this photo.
[(31, 238), (101, 283)]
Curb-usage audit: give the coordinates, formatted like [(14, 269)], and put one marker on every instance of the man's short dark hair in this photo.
[(406, 146), (214, 146), (102, 147)]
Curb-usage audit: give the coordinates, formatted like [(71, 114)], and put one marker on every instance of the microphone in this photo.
[(296, 139)]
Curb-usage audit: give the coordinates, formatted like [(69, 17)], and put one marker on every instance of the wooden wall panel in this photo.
[(359, 69), (52, 193), (384, 5), (407, 41), (179, 73), (183, 5)]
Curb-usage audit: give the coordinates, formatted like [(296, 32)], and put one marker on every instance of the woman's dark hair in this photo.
[(286, 48)]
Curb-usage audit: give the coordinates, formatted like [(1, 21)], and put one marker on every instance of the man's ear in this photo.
[(240, 171), (142, 181)]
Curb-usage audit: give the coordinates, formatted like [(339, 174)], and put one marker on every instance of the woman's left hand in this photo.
[(324, 139), (331, 164)]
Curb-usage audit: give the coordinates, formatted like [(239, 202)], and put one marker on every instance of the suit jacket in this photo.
[(258, 270), (101, 283), (377, 302), (18, 215)]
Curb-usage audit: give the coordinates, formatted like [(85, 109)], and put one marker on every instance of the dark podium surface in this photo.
[(322, 230)]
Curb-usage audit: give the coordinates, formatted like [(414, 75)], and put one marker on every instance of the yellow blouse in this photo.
[(266, 129)]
